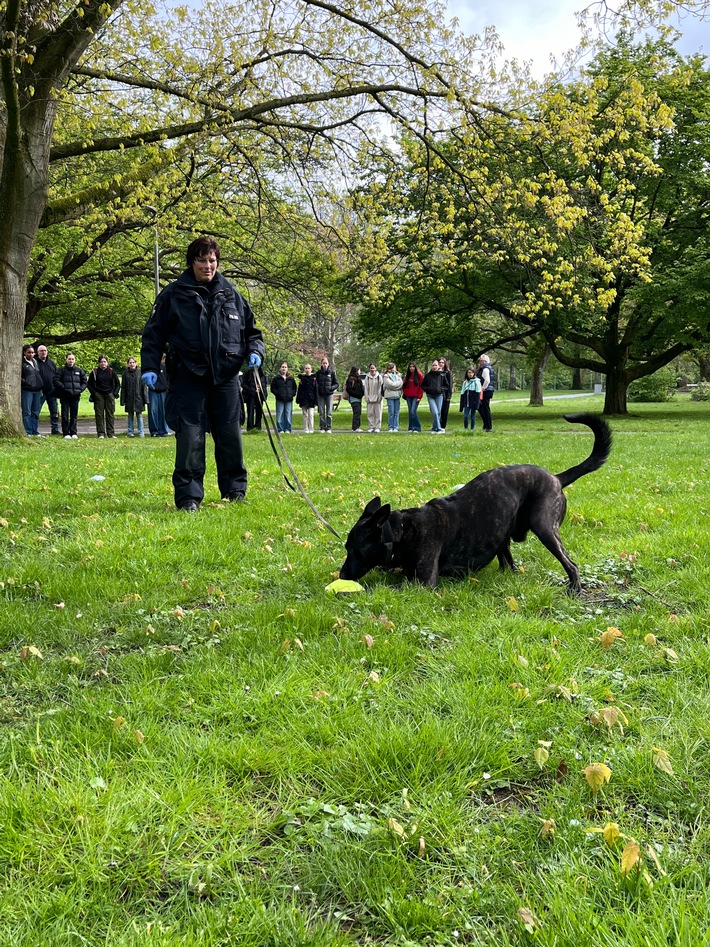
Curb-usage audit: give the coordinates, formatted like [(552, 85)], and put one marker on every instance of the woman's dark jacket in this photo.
[(104, 380), (307, 394), (69, 382), (284, 389), (327, 382), (435, 383), (203, 326), (132, 391), (31, 375)]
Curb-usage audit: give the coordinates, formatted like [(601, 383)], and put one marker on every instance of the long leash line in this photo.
[(269, 429)]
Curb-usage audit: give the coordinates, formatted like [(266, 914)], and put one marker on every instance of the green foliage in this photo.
[(701, 392), (583, 220), (658, 387)]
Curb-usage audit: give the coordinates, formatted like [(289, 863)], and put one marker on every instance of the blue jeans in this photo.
[(469, 413), (284, 416), (412, 405), (435, 402), (325, 410), (156, 414), (139, 419), (53, 411), (393, 413), (31, 404)]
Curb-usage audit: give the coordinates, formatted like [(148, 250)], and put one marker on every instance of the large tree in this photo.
[(284, 82), (582, 218)]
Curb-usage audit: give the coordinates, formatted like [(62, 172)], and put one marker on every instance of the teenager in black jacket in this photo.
[(307, 397), (327, 386), (104, 385), (69, 382), (283, 388)]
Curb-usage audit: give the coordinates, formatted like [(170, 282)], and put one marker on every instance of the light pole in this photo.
[(156, 250)]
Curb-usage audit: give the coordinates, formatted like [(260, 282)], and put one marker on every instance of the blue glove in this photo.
[(254, 360), (149, 379)]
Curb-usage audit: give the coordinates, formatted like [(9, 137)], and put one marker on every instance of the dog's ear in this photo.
[(382, 515), (371, 508)]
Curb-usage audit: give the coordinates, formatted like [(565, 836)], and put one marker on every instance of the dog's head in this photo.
[(370, 541)]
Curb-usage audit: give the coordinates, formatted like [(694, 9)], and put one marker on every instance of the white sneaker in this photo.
[(377, 430), (101, 437), (75, 437), (329, 431), (67, 437)]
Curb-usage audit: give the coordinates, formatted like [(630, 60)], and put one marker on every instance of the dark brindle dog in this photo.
[(465, 531)]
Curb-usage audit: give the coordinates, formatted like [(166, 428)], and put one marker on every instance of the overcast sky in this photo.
[(532, 31)]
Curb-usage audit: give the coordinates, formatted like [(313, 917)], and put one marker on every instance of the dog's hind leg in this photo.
[(550, 538)]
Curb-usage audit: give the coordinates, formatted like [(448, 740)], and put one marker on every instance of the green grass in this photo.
[(200, 746)]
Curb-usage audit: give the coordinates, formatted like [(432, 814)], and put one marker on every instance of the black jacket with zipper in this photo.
[(203, 326)]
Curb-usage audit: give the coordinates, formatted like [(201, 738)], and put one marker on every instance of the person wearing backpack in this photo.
[(470, 397), (487, 376), (104, 386)]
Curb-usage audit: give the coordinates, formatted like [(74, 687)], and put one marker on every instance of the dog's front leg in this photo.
[(505, 558), (426, 571)]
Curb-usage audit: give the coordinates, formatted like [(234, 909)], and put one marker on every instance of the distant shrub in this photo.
[(701, 393), (653, 388)]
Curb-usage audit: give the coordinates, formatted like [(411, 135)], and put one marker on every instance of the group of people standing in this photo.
[(62, 387), (312, 391), (377, 388)]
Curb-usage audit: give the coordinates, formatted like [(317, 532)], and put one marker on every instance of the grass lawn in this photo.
[(201, 746)]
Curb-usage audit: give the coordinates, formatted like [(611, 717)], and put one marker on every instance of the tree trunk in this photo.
[(23, 197), (512, 384), (577, 383), (536, 375), (616, 387), (704, 366)]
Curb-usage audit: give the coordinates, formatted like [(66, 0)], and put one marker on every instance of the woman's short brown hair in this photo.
[(201, 247)]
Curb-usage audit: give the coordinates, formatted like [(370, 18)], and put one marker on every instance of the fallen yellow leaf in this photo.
[(596, 775), (630, 858), (611, 833), (661, 760)]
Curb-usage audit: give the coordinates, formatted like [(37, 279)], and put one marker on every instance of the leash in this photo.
[(274, 429)]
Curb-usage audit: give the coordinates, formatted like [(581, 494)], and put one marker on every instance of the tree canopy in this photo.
[(582, 217), (105, 104)]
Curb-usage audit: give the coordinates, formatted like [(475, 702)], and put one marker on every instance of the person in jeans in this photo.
[(372, 383), (354, 392), (470, 397), (327, 386), (392, 384), (48, 370), (69, 382), (133, 397), (433, 386), (31, 391), (283, 388), (104, 386), (307, 397), (413, 394)]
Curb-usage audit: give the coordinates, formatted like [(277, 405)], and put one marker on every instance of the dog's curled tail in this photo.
[(600, 451)]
